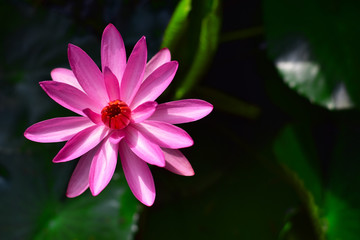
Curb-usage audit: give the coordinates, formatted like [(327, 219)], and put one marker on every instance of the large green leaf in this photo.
[(290, 152), (234, 194), (342, 199), (314, 45), (330, 199), (88, 217), (298, 162)]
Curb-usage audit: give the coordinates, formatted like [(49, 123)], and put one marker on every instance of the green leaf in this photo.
[(208, 41), (193, 36), (177, 25), (315, 48)]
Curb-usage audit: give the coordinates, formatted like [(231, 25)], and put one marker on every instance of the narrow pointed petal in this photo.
[(164, 134), (177, 163), (163, 56), (93, 116), (88, 74), (134, 71), (112, 85), (155, 84), (57, 129), (181, 111), (143, 112), (103, 166), (79, 180), (138, 175), (81, 143), (113, 54), (69, 97), (65, 76), (143, 148)]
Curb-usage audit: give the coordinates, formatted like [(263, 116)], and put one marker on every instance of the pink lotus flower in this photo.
[(118, 114)]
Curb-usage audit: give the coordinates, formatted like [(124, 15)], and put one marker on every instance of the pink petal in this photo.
[(81, 143), (112, 85), (177, 163), (164, 134), (65, 76), (57, 129), (69, 97), (143, 148), (79, 180), (134, 71), (163, 56), (103, 166), (138, 175), (155, 84), (93, 116), (113, 55), (143, 112), (182, 111), (88, 74)]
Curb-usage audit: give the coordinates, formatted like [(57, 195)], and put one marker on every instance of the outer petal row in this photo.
[(113, 54), (163, 56), (79, 180), (81, 143), (182, 111), (138, 175), (177, 163), (57, 129), (95, 168), (104, 164), (65, 76), (143, 148), (164, 134)]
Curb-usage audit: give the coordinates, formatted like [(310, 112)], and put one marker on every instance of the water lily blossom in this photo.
[(118, 116)]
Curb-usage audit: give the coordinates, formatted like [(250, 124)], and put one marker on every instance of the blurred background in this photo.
[(278, 158)]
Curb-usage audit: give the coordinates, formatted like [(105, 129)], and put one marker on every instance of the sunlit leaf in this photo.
[(313, 45)]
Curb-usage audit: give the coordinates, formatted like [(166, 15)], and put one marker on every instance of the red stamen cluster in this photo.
[(116, 115)]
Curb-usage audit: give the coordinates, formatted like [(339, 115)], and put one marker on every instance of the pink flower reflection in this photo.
[(118, 114)]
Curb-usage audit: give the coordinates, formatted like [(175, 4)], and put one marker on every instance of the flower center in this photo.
[(116, 115)]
